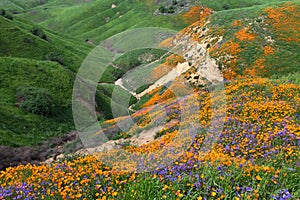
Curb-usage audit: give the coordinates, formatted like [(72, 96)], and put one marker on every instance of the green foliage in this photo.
[(87, 20), (137, 57), (21, 5), (32, 78), (289, 78), (35, 100), (219, 5), (110, 95), (169, 10), (163, 9), (6, 14), (39, 32), (16, 40), (142, 88), (2, 12), (56, 57), (225, 6), (111, 74)]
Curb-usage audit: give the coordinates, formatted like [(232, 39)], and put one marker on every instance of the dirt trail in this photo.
[(144, 137)]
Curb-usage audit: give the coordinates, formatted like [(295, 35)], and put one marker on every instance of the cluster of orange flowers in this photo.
[(261, 123), (286, 21), (197, 13), (244, 34)]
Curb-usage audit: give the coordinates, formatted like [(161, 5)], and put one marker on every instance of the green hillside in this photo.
[(65, 45), (17, 40), (97, 20), (33, 62), (19, 127), (261, 41), (219, 5)]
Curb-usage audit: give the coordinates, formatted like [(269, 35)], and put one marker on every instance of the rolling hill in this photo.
[(97, 20)]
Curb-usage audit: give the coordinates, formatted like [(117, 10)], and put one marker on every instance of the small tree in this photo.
[(35, 100)]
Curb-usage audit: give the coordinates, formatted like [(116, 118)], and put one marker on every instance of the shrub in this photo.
[(2, 12), (56, 57), (39, 32), (165, 131), (171, 9), (163, 9), (35, 100), (8, 16), (225, 6), (5, 14)]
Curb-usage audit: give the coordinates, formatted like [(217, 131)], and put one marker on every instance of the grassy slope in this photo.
[(254, 160), (22, 64), (88, 21), (20, 5), (233, 4), (266, 49), (259, 56), (17, 41), (21, 128)]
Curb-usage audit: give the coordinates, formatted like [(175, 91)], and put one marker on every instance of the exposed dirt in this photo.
[(13, 156), (144, 137)]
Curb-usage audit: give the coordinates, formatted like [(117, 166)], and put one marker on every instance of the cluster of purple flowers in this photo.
[(21, 192), (282, 195)]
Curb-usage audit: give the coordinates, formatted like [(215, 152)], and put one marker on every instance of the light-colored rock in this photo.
[(48, 161), (60, 156)]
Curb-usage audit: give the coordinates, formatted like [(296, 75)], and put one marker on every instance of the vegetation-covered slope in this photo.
[(97, 20), (18, 40), (255, 156), (255, 153), (256, 41), (19, 127), (44, 60)]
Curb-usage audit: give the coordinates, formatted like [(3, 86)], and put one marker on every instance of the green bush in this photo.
[(2, 12), (171, 9), (225, 6), (163, 9), (56, 57), (5, 14), (39, 32), (35, 100)]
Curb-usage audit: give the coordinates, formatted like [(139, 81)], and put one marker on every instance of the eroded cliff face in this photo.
[(196, 41), (193, 44), (193, 64)]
